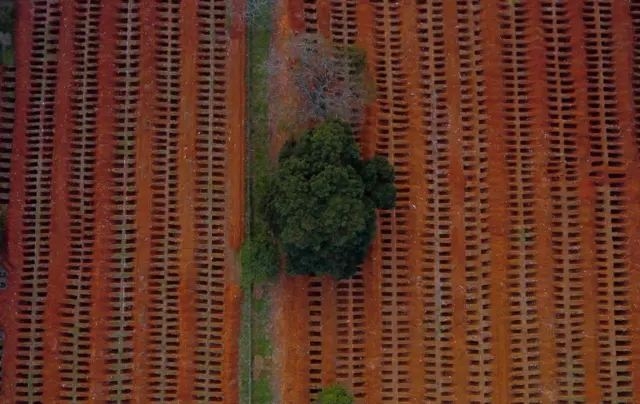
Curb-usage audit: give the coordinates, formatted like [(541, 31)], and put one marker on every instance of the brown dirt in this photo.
[(144, 134), (496, 201), (258, 366), (292, 346), (229, 380), (149, 306), (587, 198), (285, 20), (104, 151), (456, 177), (187, 126), (236, 198), (508, 272), (293, 11), (626, 70), (258, 292), (371, 274), (329, 323), (59, 244), (495, 279), (292, 301), (15, 224), (237, 117), (631, 130)]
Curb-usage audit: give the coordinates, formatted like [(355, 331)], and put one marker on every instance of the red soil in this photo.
[(104, 152), (199, 321), (521, 273), (370, 268), (498, 185), (8, 298), (508, 272), (456, 176), (291, 313), (292, 322), (186, 167), (588, 203), (628, 128), (144, 133), (235, 203)]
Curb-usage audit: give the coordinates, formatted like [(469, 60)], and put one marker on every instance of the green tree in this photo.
[(321, 203), (260, 259), (377, 175), (336, 394)]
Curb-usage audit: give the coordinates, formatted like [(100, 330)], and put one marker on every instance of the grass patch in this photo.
[(261, 306), (259, 256), (262, 346), (8, 57), (261, 314), (262, 393), (256, 313), (246, 355)]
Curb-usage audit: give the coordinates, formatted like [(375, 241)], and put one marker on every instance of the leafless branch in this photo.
[(320, 81), (255, 11)]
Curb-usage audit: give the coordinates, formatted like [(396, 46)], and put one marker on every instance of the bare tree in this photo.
[(312, 80), (258, 9), (255, 13)]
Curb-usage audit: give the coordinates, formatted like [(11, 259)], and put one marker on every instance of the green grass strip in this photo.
[(254, 338)]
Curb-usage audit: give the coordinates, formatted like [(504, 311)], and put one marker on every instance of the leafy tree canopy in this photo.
[(321, 203), (336, 394), (260, 258)]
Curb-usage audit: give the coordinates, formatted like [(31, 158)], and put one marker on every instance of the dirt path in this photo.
[(293, 336), (371, 275), (291, 306), (497, 183), (105, 150), (235, 189), (60, 210), (187, 127), (143, 204)]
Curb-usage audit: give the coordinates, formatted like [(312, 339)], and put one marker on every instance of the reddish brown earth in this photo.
[(127, 203), (508, 271), (291, 313)]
